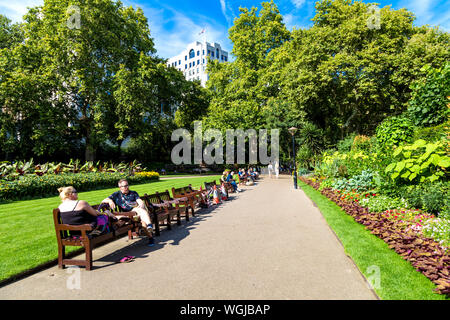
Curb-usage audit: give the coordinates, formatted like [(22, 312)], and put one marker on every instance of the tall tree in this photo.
[(84, 44)]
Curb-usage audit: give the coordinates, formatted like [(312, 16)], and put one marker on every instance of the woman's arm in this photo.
[(86, 207)]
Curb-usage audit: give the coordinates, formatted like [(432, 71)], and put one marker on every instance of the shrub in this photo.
[(362, 143), (420, 161), (382, 203), (435, 197), (433, 134), (47, 185), (362, 182), (430, 98), (345, 145), (394, 131)]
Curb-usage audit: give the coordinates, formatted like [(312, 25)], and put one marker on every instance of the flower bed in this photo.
[(400, 230), (47, 185)]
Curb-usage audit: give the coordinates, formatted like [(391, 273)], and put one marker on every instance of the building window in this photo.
[(193, 63), (217, 53), (203, 53), (203, 61), (198, 61), (185, 66), (197, 70), (198, 53), (185, 58), (212, 54), (191, 54), (179, 62)]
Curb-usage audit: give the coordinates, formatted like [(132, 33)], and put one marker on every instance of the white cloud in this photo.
[(227, 12), (298, 3), (184, 29), (15, 10)]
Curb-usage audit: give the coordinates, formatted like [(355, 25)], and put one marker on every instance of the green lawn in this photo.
[(27, 234), (398, 278)]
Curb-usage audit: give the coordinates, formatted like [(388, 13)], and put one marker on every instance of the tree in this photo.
[(235, 87), (84, 56)]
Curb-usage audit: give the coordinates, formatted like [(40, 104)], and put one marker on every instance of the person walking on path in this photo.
[(128, 201), (270, 168)]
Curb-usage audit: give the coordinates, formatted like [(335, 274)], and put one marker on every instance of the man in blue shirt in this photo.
[(128, 201)]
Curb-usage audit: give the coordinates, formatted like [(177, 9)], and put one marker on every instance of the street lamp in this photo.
[(292, 131)]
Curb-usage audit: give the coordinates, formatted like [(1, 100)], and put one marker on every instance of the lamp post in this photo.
[(292, 131)]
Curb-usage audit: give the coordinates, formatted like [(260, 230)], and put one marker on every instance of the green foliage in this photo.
[(431, 97), (394, 131), (436, 197), (345, 145), (359, 183), (13, 171), (38, 186), (420, 161), (383, 202), (434, 133), (431, 197), (438, 229)]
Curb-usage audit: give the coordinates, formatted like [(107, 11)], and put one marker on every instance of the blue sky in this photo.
[(176, 23)]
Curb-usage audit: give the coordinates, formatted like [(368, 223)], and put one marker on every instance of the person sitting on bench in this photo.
[(128, 201), (233, 183)]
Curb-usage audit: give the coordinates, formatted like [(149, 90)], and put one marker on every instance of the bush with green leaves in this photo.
[(430, 97), (27, 187), (394, 131), (362, 182), (383, 202), (435, 197), (420, 161), (431, 197), (433, 134)]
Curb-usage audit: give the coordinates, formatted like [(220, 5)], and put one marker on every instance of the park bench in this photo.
[(162, 213), (65, 235), (186, 198), (209, 187), (243, 180), (183, 203)]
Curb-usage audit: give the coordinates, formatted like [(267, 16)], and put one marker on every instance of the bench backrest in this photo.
[(180, 191), (210, 185), (164, 196)]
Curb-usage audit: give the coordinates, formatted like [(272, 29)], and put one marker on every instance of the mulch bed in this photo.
[(425, 254)]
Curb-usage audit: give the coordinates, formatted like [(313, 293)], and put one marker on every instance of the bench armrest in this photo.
[(69, 227)]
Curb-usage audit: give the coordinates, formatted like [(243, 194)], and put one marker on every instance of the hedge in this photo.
[(28, 187)]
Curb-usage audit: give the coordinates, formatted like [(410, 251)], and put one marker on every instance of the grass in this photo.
[(398, 279), (27, 233)]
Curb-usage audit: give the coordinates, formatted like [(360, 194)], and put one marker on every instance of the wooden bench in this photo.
[(209, 186), (243, 180), (201, 194), (186, 198), (83, 239), (162, 213)]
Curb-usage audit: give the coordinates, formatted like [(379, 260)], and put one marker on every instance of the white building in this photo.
[(192, 61)]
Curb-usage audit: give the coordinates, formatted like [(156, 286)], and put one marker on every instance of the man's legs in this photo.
[(146, 223)]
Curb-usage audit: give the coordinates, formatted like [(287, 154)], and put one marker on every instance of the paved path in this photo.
[(269, 242)]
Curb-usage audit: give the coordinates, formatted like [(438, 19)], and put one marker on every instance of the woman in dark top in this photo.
[(74, 211)]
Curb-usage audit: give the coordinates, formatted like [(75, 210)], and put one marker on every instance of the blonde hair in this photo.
[(65, 192)]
